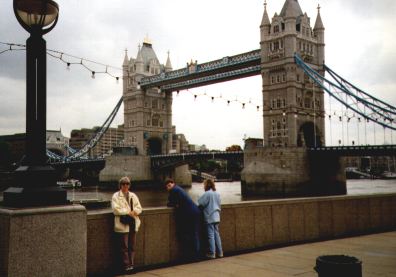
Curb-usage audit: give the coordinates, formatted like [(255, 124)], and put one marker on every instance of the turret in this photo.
[(319, 34), (139, 61), (265, 26), (168, 65), (125, 70)]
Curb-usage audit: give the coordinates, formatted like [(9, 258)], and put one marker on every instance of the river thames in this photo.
[(230, 192)]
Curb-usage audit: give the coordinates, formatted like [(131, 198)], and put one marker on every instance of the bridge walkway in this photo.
[(377, 253)]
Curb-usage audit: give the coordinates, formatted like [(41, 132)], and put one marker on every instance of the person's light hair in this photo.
[(124, 180)]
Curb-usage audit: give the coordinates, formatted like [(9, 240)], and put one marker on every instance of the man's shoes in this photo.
[(210, 256), (128, 269), (220, 255)]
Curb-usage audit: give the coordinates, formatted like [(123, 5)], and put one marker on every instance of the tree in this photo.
[(233, 147)]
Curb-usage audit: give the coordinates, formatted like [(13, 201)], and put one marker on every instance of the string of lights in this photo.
[(243, 103), (70, 60)]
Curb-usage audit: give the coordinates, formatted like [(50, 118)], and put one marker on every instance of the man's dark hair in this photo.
[(169, 181)]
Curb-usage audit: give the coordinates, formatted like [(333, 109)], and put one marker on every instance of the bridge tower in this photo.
[(293, 105), (147, 114), (293, 114)]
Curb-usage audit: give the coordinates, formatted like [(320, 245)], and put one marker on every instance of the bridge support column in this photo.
[(290, 172), (138, 168)]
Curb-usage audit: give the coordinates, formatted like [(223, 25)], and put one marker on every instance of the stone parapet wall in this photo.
[(247, 226)]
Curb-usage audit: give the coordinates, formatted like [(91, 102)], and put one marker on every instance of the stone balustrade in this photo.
[(247, 226)]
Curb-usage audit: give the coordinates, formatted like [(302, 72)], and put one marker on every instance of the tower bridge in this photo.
[(291, 63)]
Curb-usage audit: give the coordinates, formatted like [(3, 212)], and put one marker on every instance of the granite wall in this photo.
[(247, 226)]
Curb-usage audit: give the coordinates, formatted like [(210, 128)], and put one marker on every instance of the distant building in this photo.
[(197, 148), (55, 142), (112, 137)]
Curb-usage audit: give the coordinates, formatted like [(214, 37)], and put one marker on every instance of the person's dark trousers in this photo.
[(126, 246), (188, 232)]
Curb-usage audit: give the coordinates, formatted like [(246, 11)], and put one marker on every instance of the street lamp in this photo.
[(35, 181)]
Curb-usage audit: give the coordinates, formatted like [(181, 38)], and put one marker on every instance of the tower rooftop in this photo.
[(291, 8)]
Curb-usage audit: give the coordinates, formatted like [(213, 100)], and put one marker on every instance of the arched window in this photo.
[(155, 120)]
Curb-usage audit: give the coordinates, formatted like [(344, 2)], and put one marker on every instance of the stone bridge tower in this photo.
[(294, 116), (147, 114), (293, 105)]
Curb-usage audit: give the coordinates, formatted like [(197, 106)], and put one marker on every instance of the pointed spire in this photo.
[(168, 64), (291, 8), (126, 57), (139, 58), (318, 23), (265, 21)]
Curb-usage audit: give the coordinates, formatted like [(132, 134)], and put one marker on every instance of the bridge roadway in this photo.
[(196, 75), (159, 162)]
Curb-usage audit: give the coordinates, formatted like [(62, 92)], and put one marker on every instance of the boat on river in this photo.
[(69, 183)]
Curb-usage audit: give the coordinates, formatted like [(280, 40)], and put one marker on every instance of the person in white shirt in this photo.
[(126, 208)]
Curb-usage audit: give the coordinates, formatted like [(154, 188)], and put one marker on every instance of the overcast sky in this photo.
[(360, 45)]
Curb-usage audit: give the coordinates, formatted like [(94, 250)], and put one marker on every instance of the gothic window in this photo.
[(281, 44), (277, 78), (276, 28), (272, 79), (276, 45), (154, 103), (134, 67), (284, 102), (278, 103), (155, 120), (148, 122), (298, 78), (283, 26), (145, 104), (307, 103), (161, 123), (148, 68), (298, 27), (284, 78)]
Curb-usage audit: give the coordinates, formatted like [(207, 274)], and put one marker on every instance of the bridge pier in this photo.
[(138, 168), (291, 171)]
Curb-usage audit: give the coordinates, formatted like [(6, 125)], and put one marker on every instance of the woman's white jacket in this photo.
[(120, 206)]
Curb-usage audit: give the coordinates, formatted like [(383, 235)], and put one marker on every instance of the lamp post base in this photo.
[(36, 186)]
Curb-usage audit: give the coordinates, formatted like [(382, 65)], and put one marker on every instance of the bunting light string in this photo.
[(70, 60), (12, 47), (84, 63), (212, 98)]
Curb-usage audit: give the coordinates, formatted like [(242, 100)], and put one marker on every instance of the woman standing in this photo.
[(211, 205), (126, 208)]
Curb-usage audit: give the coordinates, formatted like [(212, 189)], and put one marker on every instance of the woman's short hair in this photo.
[(124, 180), (209, 184)]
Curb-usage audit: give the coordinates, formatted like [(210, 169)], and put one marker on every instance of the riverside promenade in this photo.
[(376, 251)]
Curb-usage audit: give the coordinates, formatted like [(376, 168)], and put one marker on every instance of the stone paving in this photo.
[(377, 253)]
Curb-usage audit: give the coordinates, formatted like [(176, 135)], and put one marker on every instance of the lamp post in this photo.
[(35, 181)]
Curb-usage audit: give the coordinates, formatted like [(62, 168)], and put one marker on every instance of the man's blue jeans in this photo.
[(214, 240)]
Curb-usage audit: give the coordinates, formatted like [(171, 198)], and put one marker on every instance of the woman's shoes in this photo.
[(128, 269)]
